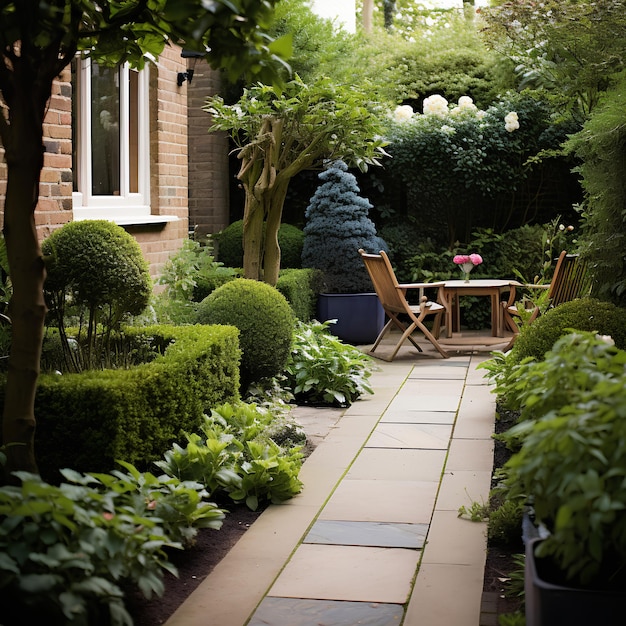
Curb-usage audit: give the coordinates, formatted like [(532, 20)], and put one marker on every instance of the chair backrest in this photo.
[(570, 280), (385, 282)]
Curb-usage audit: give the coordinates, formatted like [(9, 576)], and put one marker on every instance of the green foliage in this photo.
[(189, 276), (115, 34), (230, 240), (89, 420), (279, 133), (319, 46), (191, 264), (585, 314), (69, 551), (602, 147), (572, 459), (337, 226), (265, 322), (505, 523), (300, 288), (458, 163), (322, 370), (96, 272), (429, 51), (575, 54), (235, 457)]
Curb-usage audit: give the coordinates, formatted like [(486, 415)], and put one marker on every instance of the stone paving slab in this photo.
[(375, 534), (298, 612)]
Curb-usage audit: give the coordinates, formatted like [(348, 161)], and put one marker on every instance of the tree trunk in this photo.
[(252, 237), (368, 11), (276, 202), (23, 142)]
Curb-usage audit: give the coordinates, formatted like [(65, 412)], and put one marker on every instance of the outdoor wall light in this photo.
[(188, 75)]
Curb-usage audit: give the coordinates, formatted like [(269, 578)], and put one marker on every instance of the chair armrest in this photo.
[(532, 286)]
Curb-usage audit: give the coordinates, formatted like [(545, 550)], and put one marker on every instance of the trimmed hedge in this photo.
[(87, 421), (301, 288)]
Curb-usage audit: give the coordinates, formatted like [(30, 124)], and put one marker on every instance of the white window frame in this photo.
[(127, 207)]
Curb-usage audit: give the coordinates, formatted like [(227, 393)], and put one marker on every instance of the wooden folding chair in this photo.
[(392, 296), (571, 280)]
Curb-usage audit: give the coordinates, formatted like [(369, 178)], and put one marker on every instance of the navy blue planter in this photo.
[(360, 316), (551, 604)]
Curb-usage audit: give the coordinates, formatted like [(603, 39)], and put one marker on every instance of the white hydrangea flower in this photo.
[(606, 338), (465, 102), (436, 105), (511, 122), (403, 113), (447, 129)]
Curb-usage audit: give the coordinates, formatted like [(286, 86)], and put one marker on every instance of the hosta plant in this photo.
[(324, 370), (235, 456)]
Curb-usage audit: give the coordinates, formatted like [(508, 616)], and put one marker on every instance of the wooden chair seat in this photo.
[(392, 296)]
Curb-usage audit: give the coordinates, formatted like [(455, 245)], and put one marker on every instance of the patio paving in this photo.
[(374, 538)]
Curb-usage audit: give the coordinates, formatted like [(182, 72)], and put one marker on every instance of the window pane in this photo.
[(105, 131), (133, 131)]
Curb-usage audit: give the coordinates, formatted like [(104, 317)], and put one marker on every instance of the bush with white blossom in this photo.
[(456, 160)]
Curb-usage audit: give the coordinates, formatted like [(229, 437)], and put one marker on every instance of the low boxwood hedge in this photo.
[(87, 421)]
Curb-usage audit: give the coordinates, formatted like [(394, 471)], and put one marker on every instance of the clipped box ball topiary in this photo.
[(96, 272), (265, 322), (586, 314), (230, 241)]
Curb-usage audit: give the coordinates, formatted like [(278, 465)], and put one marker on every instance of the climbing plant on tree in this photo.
[(38, 39), (281, 132)]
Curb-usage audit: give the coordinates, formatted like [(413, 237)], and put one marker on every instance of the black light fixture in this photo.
[(188, 75)]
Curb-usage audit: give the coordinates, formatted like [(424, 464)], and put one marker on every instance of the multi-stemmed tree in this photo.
[(281, 132), (38, 39)]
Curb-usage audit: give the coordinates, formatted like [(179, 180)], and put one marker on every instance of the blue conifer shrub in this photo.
[(337, 226)]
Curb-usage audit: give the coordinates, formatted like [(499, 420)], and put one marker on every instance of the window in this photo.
[(110, 126)]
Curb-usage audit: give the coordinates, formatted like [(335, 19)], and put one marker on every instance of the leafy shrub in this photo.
[(265, 322), (601, 147), (585, 314), (322, 370), (189, 276), (230, 245), (96, 271), (235, 456), (337, 226), (69, 551), (457, 163), (572, 459)]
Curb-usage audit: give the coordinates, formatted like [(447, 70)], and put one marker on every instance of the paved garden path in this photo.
[(374, 537)]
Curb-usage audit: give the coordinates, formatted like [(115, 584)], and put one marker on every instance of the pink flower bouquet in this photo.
[(467, 262)]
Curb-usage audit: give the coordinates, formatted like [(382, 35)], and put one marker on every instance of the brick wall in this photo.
[(168, 154), (208, 157)]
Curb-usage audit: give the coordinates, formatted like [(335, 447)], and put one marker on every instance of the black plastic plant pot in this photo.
[(550, 603)]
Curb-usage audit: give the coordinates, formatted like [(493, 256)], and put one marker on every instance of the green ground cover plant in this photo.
[(69, 552), (322, 370), (236, 459)]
